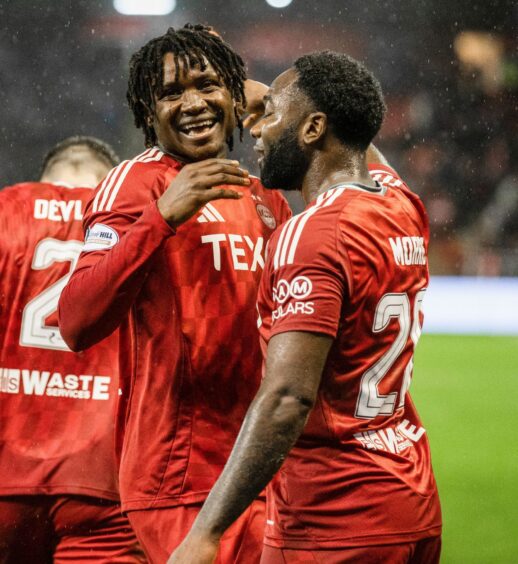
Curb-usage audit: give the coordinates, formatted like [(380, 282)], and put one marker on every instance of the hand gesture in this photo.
[(199, 183)]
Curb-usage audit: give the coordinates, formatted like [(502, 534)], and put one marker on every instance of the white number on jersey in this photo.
[(34, 332), (391, 306)]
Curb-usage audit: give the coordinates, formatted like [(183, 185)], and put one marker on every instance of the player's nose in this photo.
[(193, 102), (255, 130)]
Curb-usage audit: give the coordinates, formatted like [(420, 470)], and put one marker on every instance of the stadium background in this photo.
[(450, 73)]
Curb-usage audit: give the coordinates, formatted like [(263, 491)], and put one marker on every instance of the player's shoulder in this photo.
[(19, 190), (310, 233), (31, 191), (399, 192), (390, 179), (21, 196), (386, 175), (131, 180)]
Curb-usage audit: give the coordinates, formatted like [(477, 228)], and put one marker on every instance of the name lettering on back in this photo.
[(58, 210), (408, 251)]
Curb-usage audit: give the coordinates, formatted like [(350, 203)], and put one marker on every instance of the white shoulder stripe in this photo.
[(288, 235), (155, 155), (102, 194), (106, 182), (113, 180), (292, 231), (109, 189), (327, 202), (280, 241)]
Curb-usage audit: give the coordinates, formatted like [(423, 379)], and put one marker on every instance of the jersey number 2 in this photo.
[(391, 306), (34, 332)]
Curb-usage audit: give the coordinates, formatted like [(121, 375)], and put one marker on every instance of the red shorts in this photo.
[(426, 551), (160, 531), (65, 528)]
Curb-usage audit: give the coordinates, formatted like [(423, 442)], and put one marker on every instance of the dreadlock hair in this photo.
[(100, 149), (346, 91), (192, 45)]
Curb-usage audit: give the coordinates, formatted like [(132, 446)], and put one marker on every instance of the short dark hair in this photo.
[(346, 92), (192, 45), (99, 148)]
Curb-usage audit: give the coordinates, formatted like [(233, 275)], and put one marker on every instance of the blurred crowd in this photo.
[(457, 147), (451, 129)]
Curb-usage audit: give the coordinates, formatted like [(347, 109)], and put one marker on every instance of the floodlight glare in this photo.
[(279, 3), (144, 7)]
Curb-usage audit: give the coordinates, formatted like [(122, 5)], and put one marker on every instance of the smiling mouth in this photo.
[(198, 129)]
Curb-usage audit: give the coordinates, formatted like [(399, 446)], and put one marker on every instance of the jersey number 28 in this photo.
[(370, 402)]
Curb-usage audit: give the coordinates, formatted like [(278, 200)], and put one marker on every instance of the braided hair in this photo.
[(192, 45)]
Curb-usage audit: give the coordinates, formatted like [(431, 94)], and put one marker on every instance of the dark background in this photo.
[(449, 70)]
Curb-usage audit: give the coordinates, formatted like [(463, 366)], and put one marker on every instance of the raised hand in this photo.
[(199, 183)]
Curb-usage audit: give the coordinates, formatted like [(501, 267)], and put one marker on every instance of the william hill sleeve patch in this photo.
[(100, 237)]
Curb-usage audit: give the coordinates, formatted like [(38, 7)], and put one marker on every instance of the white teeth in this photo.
[(199, 125)]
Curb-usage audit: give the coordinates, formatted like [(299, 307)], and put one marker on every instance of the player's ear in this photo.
[(314, 128)]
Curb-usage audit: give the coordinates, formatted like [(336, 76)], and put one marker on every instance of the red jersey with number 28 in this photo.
[(353, 266), (57, 408)]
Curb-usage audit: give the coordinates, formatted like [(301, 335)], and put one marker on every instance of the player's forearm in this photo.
[(270, 429), (99, 297)]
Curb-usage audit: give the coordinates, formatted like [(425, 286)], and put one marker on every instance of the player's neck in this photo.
[(186, 159), (327, 169)]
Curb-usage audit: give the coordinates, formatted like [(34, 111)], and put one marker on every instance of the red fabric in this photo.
[(42, 529), (426, 551), (160, 531), (190, 358), (57, 408), (361, 472)]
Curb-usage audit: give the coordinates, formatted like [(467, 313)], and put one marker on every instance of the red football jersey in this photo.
[(353, 266), (57, 408), (190, 355)]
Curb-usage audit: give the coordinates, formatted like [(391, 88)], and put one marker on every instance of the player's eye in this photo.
[(171, 94), (209, 85)]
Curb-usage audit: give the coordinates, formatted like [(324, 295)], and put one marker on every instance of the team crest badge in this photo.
[(266, 215)]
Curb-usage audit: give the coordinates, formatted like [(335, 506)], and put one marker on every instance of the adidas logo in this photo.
[(210, 214)]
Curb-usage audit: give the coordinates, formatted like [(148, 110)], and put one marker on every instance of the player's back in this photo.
[(381, 244), (353, 265), (56, 407)]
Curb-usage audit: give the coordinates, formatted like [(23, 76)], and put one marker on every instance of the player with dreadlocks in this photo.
[(188, 50), (174, 250)]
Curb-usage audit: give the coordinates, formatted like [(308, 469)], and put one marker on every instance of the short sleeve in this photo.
[(307, 276)]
